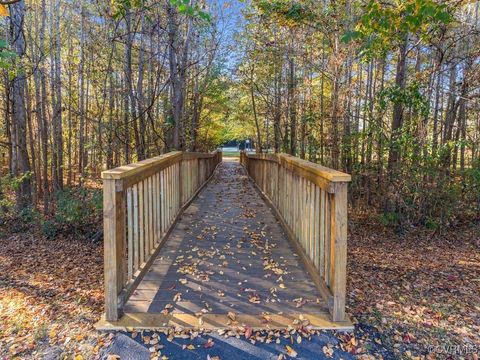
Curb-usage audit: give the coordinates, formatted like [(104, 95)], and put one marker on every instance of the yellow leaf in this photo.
[(290, 351), (3, 10)]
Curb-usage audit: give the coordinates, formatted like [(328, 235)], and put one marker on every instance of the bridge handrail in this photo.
[(310, 201), (141, 204)]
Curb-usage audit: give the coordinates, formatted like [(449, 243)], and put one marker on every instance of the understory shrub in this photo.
[(421, 195), (73, 210), (78, 211)]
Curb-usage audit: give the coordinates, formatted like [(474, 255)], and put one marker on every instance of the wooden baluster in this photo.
[(298, 203), (130, 232), (286, 196), (184, 183), (136, 235), (163, 210), (283, 192), (170, 196), (169, 191), (172, 185), (317, 225), (167, 197), (289, 199), (158, 227), (307, 207), (152, 213), (278, 187), (165, 200), (145, 221), (301, 204), (175, 188), (172, 193), (294, 203), (311, 221), (188, 180), (322, 250), (197, 174), (141, 221), (304, 208), (179, 187), (148, 217), (264, 179), (327, 238)]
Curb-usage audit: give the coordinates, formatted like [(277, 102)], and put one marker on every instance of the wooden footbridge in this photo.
[(194, 242)]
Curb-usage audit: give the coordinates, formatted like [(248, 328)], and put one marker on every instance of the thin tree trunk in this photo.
[(19, 118)]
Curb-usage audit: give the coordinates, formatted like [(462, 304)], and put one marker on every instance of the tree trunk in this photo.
[(397, 120), (19, 118)]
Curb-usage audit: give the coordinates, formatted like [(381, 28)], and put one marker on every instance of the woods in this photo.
[(387, 92), (90, 86)]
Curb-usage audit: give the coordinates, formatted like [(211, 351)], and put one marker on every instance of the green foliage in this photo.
[(383, 25), (390, 218), (49, 229), (29, 215), (215, 127), (7, 57), (120, 8), (184, 7), (431, 224), (290, 13), (16, 182), (77, 209), (8, 185), (6, 203), (410, 96)]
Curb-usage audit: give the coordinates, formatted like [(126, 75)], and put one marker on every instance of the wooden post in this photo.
[(114, 245), (338, 250)]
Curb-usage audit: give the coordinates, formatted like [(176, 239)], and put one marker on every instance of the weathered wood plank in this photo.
[(141, 221), (338, 240), (219, 321), (130, 232), (114, 247)]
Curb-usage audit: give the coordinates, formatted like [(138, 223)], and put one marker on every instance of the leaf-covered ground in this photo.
[(51, 294), (421, 290), (414, 295)]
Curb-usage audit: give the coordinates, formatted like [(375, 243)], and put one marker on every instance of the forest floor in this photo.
[(414, 295)]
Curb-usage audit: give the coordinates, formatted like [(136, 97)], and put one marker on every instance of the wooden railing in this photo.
[(311, 202), (141, 203)]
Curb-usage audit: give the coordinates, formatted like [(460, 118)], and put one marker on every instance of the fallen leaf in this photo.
[(290, 351)]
